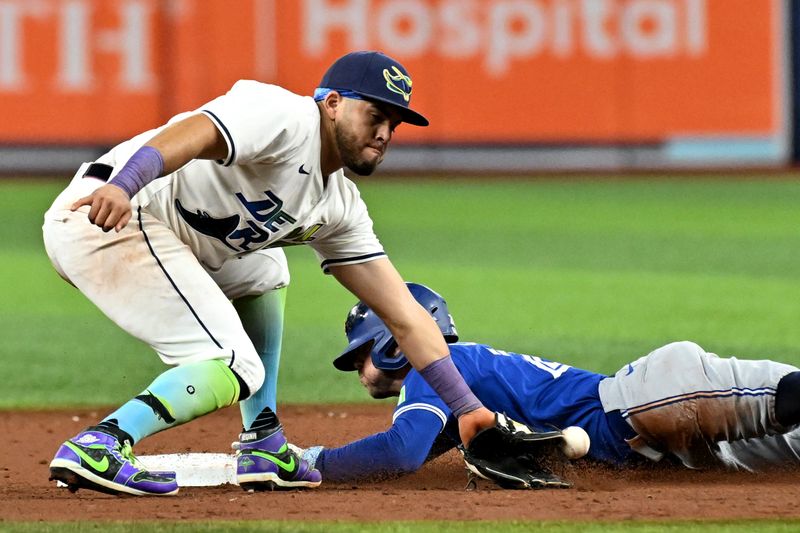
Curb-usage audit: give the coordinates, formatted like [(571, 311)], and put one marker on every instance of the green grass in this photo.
[(590, 272), (745, 526)]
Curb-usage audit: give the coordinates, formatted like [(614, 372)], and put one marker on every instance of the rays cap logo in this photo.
[(374, 76)]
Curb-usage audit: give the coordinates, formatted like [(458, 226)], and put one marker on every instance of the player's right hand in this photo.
[(469, 424), (110, 207)]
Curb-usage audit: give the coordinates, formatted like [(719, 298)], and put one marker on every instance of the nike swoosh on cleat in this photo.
[(288, 466), (302, 170), (100, 466)]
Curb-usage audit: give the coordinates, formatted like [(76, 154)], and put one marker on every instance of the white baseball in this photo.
[(576, 442)]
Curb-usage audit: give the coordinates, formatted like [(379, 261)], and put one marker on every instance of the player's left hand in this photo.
[(110, 207), (309, 455)]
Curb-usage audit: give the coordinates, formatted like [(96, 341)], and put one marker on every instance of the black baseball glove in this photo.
[(512, 455)]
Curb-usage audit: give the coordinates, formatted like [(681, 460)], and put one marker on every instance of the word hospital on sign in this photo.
[(506, 30)]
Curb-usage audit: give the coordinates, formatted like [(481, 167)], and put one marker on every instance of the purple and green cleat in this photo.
[(265, 462), (95, 460)]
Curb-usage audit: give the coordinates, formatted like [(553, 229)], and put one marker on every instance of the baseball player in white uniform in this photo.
[(185, 218)]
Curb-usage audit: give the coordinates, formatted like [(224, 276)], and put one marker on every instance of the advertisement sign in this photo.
[(499, 72)]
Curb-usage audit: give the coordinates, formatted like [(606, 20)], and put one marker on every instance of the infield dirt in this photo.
[(29, 439)]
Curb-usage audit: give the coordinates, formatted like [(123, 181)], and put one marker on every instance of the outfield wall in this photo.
[(509, 85)]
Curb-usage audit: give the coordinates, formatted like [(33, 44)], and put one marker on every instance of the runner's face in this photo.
[(363, 133), (379, 383)]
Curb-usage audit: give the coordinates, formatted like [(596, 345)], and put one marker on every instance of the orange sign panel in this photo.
[(501, 71)]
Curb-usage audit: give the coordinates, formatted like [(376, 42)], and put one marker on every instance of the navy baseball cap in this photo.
[(374, 76)]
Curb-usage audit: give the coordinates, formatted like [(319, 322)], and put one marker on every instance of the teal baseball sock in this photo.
[(262, 318), (177, 396)]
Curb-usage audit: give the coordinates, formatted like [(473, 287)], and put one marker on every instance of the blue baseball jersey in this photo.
[(541, 393)]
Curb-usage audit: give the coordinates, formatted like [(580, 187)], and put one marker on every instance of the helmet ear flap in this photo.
[(389, 357)]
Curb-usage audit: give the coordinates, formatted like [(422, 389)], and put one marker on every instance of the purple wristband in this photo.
[(145, 165), (443, 376)]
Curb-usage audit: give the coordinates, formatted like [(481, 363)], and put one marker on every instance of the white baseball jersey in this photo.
[(268, 192), (168, 276)]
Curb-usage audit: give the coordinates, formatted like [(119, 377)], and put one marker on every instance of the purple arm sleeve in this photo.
[(444, 378), (145, 165)]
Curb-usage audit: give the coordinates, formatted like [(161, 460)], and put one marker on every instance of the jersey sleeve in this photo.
[(352, 239), (417, 395), (401, 449), (417, 423), (261, 122)]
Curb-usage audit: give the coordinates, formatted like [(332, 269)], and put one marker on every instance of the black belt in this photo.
[(99, 171)]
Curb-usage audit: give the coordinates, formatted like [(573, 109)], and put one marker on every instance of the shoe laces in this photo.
[(126, 451)]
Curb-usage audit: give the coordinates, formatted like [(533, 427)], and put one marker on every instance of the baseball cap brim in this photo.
[(406, 114)]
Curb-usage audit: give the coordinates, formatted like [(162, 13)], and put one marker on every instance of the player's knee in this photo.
[(250, 370), (253, 275), (684, 360), (274, 274), (678, 354), (686, 348)]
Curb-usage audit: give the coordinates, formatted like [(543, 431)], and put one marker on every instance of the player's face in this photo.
[(379, 383), (363, 133)]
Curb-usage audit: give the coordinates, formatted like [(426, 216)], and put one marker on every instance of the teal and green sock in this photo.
[(177, 396)]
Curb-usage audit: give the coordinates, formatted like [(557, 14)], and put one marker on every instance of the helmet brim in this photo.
[(346, 361)]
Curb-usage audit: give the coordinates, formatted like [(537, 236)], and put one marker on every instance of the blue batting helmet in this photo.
[(363, 327)]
